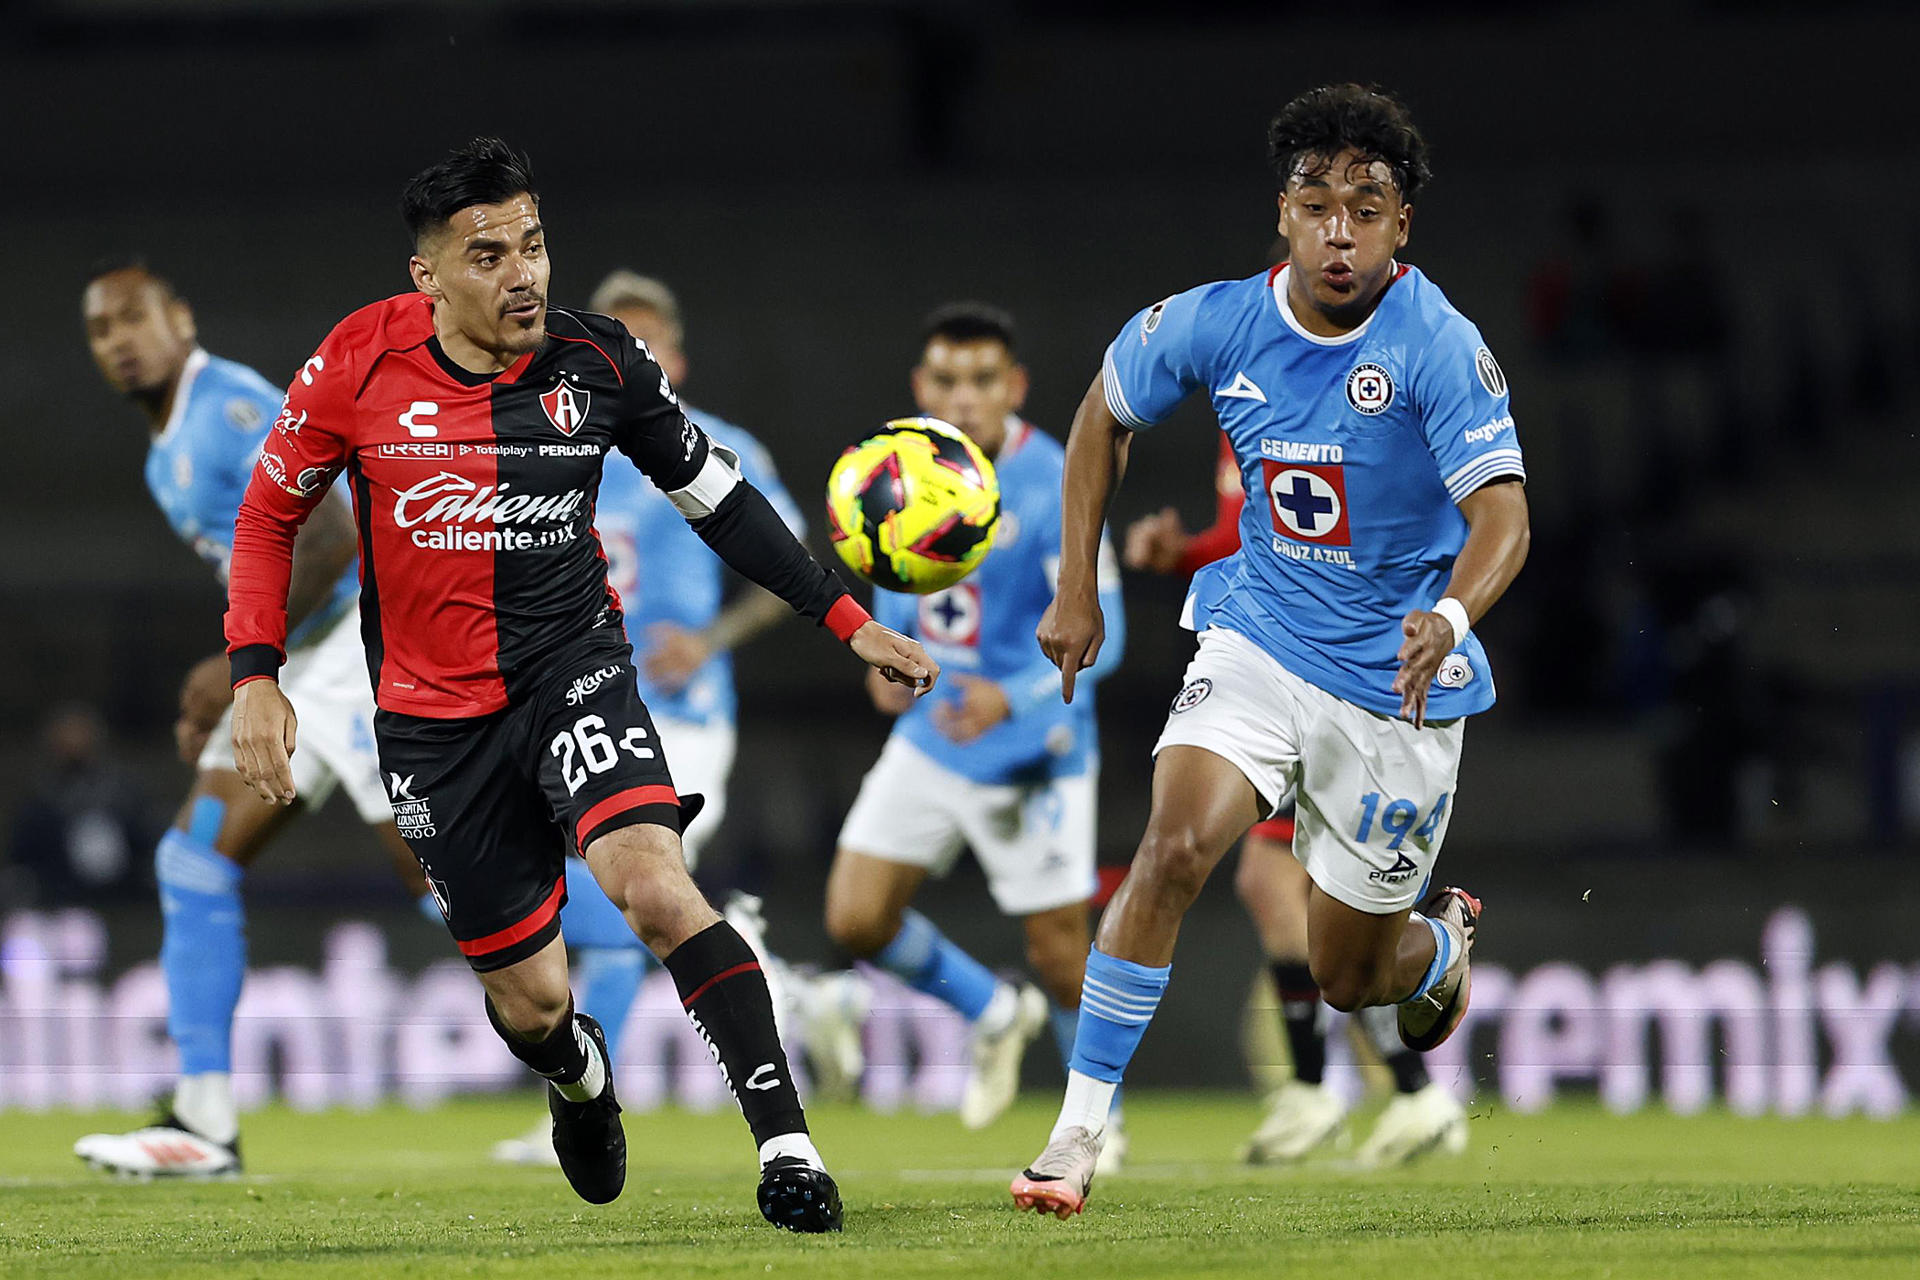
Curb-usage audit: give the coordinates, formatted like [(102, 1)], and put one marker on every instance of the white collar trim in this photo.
[(182, 389), (1279, 288)]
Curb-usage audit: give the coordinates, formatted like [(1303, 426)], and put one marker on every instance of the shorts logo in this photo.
[(1152, 321), (1455, 672), (951, 616), (1403, 869), (1369, 389), (1193, 695), (566, 407), (588, 685), (1309, 503), (414, 818), (1489, 370), (400, 788)]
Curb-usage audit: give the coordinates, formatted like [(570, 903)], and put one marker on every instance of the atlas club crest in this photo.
[(566, 406)]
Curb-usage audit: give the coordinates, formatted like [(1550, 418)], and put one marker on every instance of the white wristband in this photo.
[(1456, 615)]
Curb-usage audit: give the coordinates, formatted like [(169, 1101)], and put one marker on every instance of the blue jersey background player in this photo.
[(207, 418), (1385, 515), (995, 761), (673, 596)]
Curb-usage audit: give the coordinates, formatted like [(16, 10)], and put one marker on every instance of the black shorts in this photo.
[(493, 805)]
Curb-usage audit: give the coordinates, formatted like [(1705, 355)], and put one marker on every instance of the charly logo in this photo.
[(1193, 695), (451, 504), (1455, 672), (1369, 389), (1489, 372), (587, 685)]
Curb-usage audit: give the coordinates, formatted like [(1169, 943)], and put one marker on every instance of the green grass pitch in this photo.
[(1572, 1192)]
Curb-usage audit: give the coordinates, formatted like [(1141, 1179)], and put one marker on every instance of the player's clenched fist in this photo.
[(897, 657), (263, 733), (1071, 632)]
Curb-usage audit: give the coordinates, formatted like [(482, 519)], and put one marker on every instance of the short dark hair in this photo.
[(114, 263), (1321, 123), (969, 322), (485, 171)]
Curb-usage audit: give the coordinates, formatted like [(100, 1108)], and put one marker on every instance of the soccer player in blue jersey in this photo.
[(998, 763), (207, 418), (1386, 514), (671, 589)]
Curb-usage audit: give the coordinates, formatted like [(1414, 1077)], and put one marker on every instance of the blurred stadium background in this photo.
[(1687, 230)]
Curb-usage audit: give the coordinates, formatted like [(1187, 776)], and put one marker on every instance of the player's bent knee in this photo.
[(1172, 862), (860, 928), (1349, 984), (531, 1013)]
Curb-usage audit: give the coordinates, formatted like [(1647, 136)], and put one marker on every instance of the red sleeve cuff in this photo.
[(845, 617)]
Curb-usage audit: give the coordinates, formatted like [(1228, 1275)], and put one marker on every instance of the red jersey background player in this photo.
[(471, 422), (1303, 1114)]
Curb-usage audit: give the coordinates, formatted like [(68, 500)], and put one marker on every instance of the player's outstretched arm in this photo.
[(1073, 629), (1498, 534)]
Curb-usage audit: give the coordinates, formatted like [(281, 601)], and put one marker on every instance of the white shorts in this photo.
[(700, 757), (1034, 842), (1374, 795), (333, 701)]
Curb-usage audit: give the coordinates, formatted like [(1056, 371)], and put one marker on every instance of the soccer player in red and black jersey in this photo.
[(1303, 1114), (471, 421)]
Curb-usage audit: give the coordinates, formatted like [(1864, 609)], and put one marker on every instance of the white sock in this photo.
[(1000, 1012), (593, 1079), (204, 1103), (1086, 1106), (791, 1144)]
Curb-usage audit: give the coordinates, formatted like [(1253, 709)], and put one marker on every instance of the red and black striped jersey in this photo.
[(474, 497)]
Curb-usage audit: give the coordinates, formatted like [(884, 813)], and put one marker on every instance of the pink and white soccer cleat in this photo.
[(1058, 1182)]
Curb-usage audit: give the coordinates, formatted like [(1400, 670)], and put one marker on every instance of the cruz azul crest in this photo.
[(566, 407)]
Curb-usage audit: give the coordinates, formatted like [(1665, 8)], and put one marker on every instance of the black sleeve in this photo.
[(667, 447), (746, 532)]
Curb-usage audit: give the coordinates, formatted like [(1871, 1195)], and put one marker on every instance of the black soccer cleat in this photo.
[(587, 1135), (795, 1196)]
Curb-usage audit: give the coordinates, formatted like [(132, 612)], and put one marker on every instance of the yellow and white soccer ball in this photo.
[(913, 506)]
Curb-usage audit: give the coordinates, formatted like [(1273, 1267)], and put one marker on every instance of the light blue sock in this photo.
[(610, 959), (203, 951), (1066, 1025), (430, 910), (1117, 1001), (926, 960), (1442, 955)]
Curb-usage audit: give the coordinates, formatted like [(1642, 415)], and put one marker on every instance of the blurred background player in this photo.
[(1336, 661), (207, 418), (997, 763), (1303, 1113), (671, 587)]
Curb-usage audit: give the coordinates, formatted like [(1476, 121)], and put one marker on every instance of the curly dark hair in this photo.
[(1321, 123), (485, 171)]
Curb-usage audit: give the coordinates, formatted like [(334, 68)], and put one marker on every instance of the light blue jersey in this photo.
[(665, 573), (199, 465), (1354, 452), (984, 626)]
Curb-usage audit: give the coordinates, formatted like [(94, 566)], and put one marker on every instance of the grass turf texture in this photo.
[(1572, 1192)]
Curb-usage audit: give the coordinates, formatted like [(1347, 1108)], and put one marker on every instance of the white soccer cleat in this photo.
[(834, 1011), (1429, 1119), (1426, 1021), (535, 1150), (993, 1069), (163, 1150), (1059, 1180), (1300, 1118)]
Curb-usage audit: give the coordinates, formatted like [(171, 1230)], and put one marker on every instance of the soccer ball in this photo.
[(913, 507)]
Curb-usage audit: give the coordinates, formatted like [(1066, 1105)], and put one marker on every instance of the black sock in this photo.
[(1409, 1071), (1303, 1017), (561, 1057), (725, 994)]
